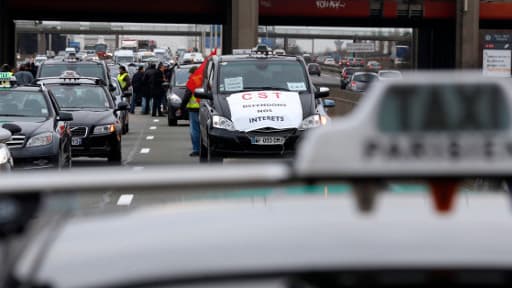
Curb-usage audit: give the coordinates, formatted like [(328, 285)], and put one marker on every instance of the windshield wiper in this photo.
[(265, 88), (16, 115)]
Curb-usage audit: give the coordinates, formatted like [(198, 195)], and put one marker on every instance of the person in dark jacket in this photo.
[(146, 88), (23, 76), (138, 89), (157, 90)]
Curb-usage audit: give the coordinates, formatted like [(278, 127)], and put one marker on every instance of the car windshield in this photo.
[(23, 104), (181, 77), (260, 74), (444, 108), (364, 78), (83, 69), (80, 96)]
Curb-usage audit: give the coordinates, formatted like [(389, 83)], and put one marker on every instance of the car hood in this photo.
[(251, 110), (92, 117), (30, 125)]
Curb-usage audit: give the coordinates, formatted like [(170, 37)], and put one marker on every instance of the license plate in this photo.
[(76, 141), (266, 140)]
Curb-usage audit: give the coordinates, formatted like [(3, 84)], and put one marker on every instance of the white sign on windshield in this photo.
[(497, 63), (234, 84), (261, 109), (296, 86)]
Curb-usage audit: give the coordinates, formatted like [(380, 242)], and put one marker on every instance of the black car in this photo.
[(95, 69), (96, 129), (256, 105), (314, 69), (176, 93), (44, 140)]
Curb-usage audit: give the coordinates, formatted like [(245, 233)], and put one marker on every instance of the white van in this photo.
[(124, 56)]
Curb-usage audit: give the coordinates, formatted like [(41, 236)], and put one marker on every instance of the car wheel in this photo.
[(203, 152), (171, 117), (115, 154), (213, 157)]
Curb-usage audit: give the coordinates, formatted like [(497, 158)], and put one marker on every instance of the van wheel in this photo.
[(171, 118)]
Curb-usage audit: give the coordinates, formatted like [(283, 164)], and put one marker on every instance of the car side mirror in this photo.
[(329, 103), (201, 94), (112, 88), (13, 128), (123, 106), (65, 116), (322, 92), (5, 135)]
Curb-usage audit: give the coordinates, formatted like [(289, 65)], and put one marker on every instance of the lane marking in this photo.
[(144, 150), (138, 168), (156, 120), (150, 137), (125, 200), (152, 128)]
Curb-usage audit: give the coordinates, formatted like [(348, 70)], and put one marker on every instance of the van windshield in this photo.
[(265, 75)]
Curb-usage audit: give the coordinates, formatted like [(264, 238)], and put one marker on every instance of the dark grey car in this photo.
[(360, 81)]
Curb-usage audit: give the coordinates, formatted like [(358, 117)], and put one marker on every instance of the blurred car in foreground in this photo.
[(314, 69), (325, 220), (360, 81), (389, 74)]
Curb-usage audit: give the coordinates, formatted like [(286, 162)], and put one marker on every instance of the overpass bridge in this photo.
[(446, 31), (105, 28)]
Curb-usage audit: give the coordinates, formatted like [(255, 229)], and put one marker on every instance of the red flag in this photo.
[(196, 79)]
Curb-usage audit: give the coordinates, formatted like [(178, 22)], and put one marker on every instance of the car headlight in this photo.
[(312, 121), (104, 129), (4, 154), (222, 123), (40, 140), (174, 99)]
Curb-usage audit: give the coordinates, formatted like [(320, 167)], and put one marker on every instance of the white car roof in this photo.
[(319, 153)]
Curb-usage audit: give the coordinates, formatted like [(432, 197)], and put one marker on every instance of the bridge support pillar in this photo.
[(467, 39), (241, 29), (7, 36), (41, 43)]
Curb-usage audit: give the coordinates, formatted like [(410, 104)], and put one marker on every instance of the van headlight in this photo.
[(40, 140), (312, 121), (222, 123), (4, 154), (104, 129), (174, 99)]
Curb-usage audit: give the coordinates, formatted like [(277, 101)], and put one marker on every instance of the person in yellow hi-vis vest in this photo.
[(191, 104), (124, 81)]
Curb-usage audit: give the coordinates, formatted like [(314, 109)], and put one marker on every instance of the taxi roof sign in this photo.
[(467, 134), (5, 76)]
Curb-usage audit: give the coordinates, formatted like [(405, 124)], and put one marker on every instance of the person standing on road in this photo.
[(157, 90), (124, 81), (146, 84), (23, 77), (192, 105), (138, 89)]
